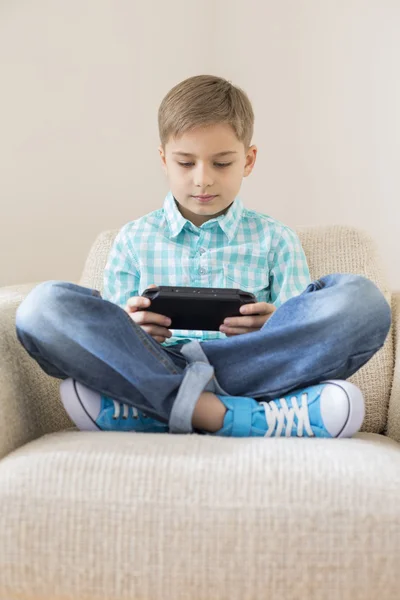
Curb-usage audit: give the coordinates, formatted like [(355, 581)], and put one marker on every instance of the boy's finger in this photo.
[(145, 317), (237, 330), (253, 322), (257, 308), (137, 302), (154, 331)]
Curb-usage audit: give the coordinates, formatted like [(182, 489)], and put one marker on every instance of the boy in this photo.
[(277, 370)]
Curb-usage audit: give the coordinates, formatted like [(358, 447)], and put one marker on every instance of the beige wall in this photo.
[(81, 82)]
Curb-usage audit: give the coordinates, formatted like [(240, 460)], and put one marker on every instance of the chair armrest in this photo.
[(393, 424), (29, 399)]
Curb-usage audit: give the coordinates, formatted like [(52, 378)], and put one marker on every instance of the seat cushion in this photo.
[(174, 517)]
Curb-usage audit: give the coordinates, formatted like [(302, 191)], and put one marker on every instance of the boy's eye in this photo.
[(219, 165)]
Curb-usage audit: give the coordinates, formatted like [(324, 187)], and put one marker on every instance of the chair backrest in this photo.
[(330, 249)]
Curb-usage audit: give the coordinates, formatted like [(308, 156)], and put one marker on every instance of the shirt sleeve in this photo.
[(121, 274), (289, 273)]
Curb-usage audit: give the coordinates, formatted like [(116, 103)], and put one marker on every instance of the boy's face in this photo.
[(206, 161)]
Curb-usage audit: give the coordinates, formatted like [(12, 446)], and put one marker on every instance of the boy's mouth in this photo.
[(204, 197)]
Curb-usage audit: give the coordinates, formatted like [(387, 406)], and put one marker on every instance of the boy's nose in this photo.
[(203, 178)]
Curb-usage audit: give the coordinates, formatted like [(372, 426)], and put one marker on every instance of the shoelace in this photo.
[(283, 417), (120, 407)]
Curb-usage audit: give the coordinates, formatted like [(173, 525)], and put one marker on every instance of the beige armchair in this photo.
[(104, 516)]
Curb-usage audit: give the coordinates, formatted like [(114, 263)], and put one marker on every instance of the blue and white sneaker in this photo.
[(90, 411), (331, 409)]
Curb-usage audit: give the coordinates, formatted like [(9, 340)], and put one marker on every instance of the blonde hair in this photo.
[(205, 100)]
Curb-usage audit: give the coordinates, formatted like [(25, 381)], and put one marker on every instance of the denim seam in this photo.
[(157, 353), (320, 284)]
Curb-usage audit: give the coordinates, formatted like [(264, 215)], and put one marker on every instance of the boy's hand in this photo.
[(153, 323), (254, 317)]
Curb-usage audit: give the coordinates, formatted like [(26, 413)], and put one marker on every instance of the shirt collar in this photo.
[(228, 222)]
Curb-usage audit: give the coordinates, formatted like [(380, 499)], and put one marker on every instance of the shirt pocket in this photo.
[(248, 279)]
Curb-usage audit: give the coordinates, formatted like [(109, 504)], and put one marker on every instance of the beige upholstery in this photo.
[(150, 517)]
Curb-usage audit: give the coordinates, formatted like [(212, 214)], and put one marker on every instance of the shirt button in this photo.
[(203, 271)]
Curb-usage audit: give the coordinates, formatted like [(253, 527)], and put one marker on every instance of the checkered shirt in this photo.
[(240, 249)]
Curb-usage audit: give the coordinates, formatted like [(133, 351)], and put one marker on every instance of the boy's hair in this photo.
[(205, 100)]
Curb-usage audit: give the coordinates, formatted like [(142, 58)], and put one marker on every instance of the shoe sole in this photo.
[(76, 410), (356, 402)]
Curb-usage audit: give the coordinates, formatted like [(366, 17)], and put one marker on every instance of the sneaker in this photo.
[(331, 409), (91, 411)]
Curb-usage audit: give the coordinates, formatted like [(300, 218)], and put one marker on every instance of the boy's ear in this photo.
[(250, 160), (162, 156)]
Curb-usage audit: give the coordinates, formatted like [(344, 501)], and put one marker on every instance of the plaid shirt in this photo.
[(240, 249)]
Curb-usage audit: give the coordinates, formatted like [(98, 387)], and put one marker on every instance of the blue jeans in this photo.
[(328, 331)]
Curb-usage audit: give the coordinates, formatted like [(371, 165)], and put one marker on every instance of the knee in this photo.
[(38, 307), (368, 304)]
